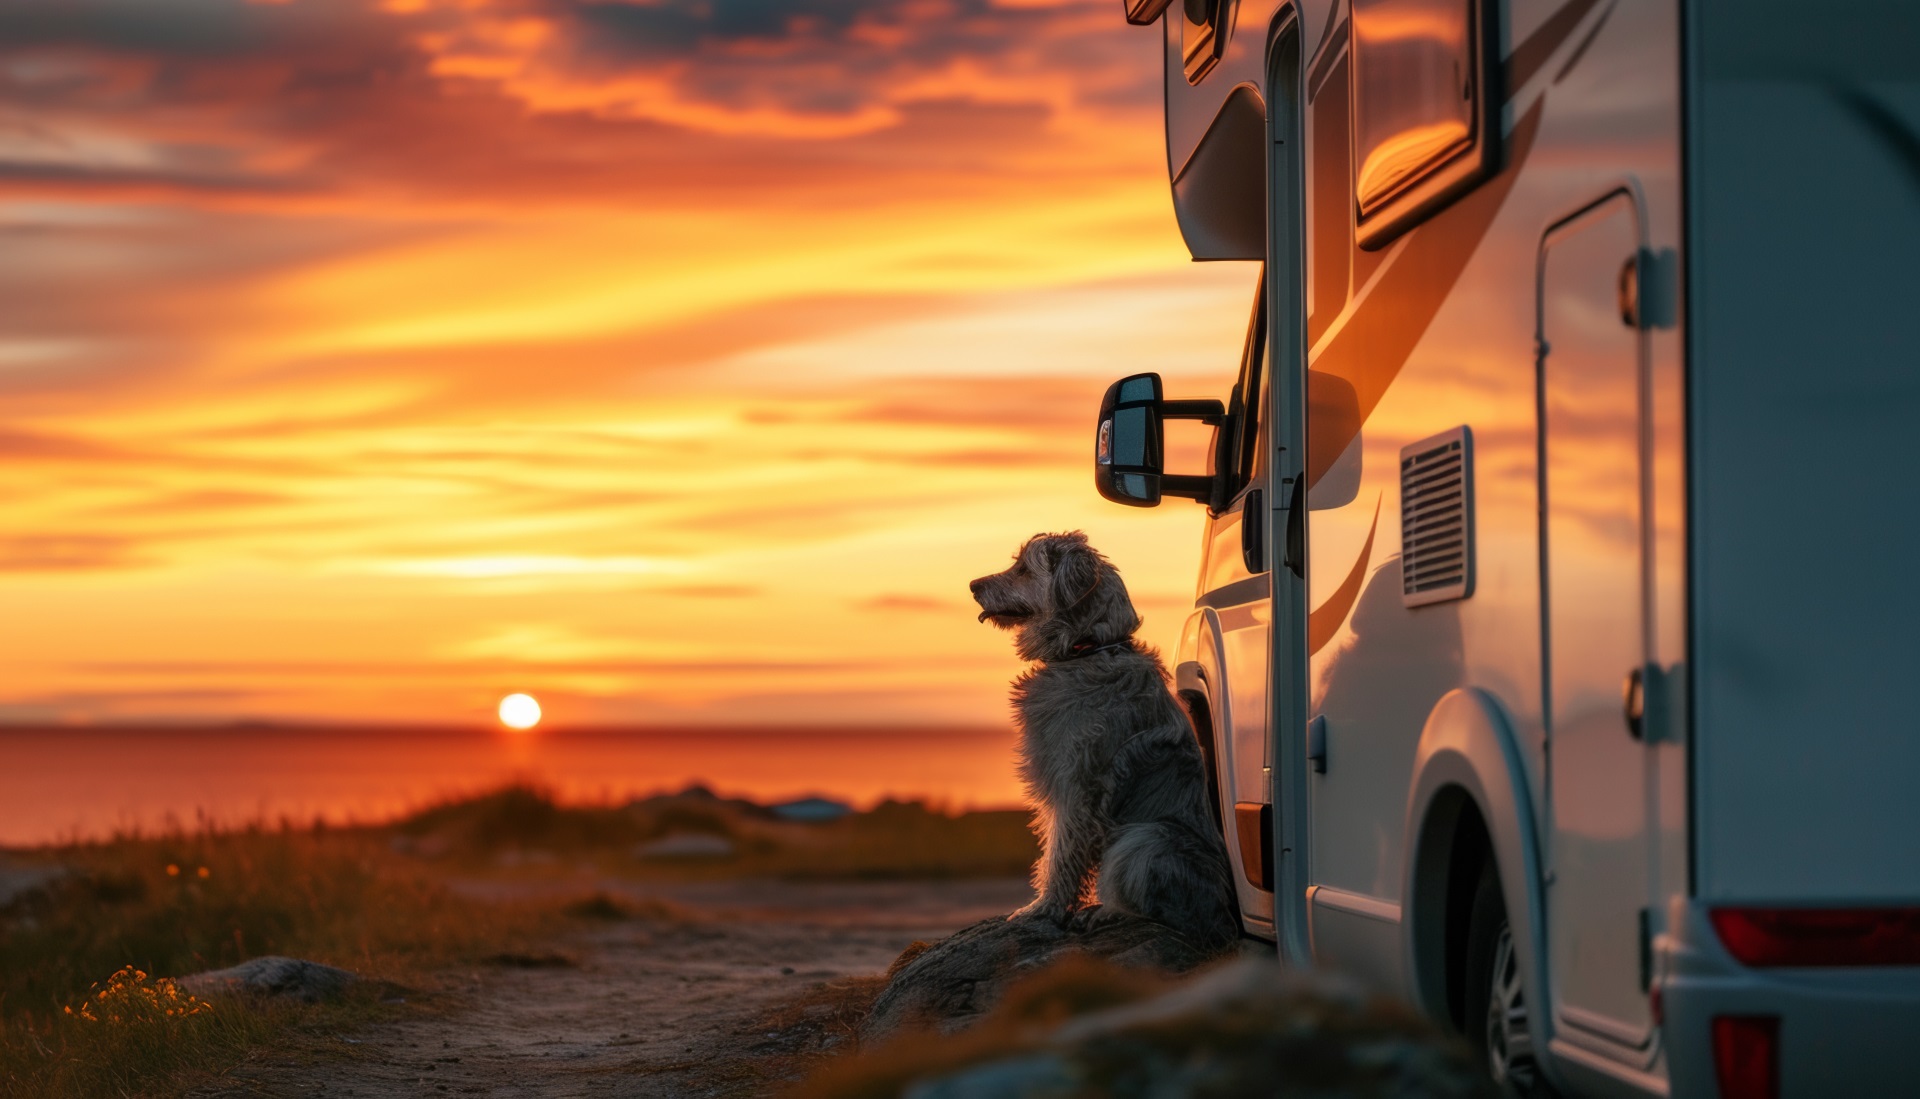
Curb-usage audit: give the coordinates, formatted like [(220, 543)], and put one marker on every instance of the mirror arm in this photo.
[(1209, 412), (1203, 489), (1187, 486), (1193, 487)]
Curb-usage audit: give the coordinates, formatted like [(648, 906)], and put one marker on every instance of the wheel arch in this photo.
[(1469, 776), (1197, 684), (1200, 715)]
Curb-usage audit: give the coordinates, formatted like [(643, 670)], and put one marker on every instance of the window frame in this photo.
[(1239, 447), (1442, 181), (1204, 42)]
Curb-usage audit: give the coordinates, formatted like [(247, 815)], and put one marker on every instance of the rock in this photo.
[(273, 977), (953, 982), (811, 810), (1036, 1075), (432, 846), (686, 845), (22, 881), (1246, 1028), (535, 959)]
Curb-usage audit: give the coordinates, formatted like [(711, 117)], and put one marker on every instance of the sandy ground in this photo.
[(710, 1004)]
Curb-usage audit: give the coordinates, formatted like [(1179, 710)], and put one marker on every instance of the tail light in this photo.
[(1746, 1056), (1820, 936)]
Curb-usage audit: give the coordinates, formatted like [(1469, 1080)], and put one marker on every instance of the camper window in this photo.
[(1419, 90), (1241, 449)]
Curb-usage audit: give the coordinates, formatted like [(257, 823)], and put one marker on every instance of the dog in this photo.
[(1108, 755)]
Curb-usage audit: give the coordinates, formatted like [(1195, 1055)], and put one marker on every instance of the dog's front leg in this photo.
[(1060, 879)]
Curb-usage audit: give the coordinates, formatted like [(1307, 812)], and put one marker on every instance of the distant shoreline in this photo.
[(149, 726), (68, 782)]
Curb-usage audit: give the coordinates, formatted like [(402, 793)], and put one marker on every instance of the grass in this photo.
[(894, 840), (126, 914), (897, 840), (181, 904)]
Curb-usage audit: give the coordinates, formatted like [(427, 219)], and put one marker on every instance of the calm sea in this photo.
[(63, 783)]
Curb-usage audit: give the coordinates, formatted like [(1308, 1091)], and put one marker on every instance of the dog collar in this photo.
[(1088, 648)]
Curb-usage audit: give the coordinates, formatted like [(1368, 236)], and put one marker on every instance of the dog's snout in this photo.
[(975, 586)]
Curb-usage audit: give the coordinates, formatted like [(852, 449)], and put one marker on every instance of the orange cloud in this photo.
[(681, 363)]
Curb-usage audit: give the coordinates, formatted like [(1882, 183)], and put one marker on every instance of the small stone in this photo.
[(686, 845), (273, 977)]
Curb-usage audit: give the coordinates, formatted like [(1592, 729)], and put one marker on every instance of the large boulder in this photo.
[(273, 977), (1249, 1027), (951, 983)]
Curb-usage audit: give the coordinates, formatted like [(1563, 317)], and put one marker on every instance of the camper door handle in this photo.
[(1296, 549), (1635, 703), (1253, 522)]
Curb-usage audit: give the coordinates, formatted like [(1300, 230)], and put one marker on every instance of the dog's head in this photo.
[(1059, 593)]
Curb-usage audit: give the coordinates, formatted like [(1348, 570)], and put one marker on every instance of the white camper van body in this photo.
[(1600, 582)]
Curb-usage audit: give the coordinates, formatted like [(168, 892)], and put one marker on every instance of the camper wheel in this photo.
[(1498, 1019)]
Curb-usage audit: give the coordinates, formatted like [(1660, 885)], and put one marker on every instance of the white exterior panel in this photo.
[(1804, 184)]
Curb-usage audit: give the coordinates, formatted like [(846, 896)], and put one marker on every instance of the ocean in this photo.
[(88, 782)]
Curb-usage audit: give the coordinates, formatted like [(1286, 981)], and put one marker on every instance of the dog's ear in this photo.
[(1090, 602), (1076, 571)]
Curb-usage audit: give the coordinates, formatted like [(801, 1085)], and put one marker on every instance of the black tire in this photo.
[(1498, 1020)]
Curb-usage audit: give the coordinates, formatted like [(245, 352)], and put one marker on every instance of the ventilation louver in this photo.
[(1436, 518)]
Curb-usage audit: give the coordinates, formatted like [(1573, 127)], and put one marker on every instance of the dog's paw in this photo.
[(1051, 911)]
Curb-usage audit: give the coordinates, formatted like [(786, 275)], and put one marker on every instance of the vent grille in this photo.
[(1436, 518)]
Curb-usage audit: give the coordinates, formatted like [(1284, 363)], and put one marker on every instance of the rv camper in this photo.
[(1554, 645)]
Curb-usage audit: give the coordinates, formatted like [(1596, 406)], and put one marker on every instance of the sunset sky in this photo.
[(677, 363)]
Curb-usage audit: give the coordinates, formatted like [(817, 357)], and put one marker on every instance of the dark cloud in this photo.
[(341, 669), (19, 446), (911, 604), (823, 57), (68, 552), (183, 29), (278, 101)]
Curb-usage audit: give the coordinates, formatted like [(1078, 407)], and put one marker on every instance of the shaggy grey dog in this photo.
[(1108, 755)]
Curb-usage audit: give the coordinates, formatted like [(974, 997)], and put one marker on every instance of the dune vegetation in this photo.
[(88, 949)]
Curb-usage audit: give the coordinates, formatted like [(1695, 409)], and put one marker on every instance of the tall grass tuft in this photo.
[(85, 1004)]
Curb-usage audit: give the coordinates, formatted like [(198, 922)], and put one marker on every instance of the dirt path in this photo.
[(716, 1003)]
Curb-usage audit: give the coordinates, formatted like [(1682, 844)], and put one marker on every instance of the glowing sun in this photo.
[(518, 711)]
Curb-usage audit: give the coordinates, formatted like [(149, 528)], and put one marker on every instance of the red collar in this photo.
[(1088, 648)]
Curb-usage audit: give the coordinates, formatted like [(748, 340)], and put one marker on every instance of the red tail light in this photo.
[(1746, 1056), (1820, 936)]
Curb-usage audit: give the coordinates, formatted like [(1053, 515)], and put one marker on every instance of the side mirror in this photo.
[(1129, 444)]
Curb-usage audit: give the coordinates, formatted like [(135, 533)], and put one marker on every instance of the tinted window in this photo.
[(1203, 35), (1413, 78), (1246, 408)]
